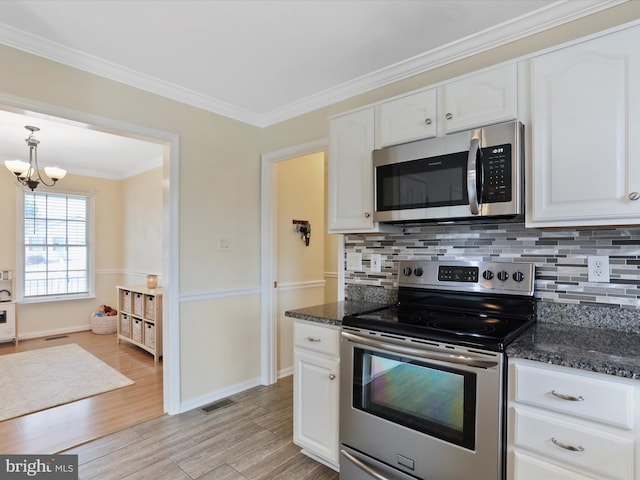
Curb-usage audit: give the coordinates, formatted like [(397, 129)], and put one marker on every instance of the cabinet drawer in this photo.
[(316, 338), (530, 468), (611, 456), (591, 398)]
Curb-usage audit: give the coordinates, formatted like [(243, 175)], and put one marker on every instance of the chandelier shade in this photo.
[(28, 173)]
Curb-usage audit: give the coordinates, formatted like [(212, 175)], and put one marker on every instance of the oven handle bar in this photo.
[(430, 355), (362, 466)]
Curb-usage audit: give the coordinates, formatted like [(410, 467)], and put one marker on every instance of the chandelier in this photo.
[(28, 174)]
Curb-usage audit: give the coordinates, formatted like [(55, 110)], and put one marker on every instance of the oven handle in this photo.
[(427, 354), (362, 466)]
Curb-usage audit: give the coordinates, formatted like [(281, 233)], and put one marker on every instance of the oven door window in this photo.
[(429, 182), (436, 400)]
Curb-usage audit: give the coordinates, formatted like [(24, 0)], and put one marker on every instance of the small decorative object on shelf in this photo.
[(152, 281)]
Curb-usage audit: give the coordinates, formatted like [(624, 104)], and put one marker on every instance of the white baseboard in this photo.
[(218, 395), (52, 333), (285, 372)]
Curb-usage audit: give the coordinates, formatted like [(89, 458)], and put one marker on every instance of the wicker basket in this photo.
[(103, 325)]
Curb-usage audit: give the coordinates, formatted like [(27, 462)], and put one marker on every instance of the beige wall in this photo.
[(300, 196), (219, 189), (142, 226)]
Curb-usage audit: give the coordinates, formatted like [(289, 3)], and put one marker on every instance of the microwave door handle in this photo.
[(472, 176)]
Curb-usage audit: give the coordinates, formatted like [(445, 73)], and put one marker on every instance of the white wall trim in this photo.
[(330, 274), (268, 253), (218, 395), (284, 287), (285, 372), (555, 14), (196, 297), (55, 332)]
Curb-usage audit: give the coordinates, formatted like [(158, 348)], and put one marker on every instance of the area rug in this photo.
[(44, 378)]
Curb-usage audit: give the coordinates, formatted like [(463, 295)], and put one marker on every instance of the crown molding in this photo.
[(553, 15)]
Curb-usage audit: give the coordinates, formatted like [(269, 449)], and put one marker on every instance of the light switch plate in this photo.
[(376, 262), (354, 261)]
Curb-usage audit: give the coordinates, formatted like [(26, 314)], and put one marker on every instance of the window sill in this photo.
[(55, 298)]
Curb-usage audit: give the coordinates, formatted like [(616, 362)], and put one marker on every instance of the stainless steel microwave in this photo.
[(475, 174)]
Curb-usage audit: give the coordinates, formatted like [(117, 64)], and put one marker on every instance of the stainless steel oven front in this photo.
[(413, 408)]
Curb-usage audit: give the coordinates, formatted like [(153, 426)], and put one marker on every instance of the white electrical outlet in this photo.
[(598, 268), (376, 262), (354, 261), (223, 245)]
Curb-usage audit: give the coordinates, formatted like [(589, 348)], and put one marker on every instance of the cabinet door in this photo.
[(315, 405), (405, 119), (351, 172), (585, 124), (483, 99)]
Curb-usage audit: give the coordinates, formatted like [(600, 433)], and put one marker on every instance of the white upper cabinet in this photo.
[(407, 118), (488, 97), (350, 201), (585, 105)]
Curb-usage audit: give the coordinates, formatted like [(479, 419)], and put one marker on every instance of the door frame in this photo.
[(170, 143), (269, 253)]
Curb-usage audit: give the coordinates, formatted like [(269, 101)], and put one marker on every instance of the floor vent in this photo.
[(56, 338), (217, 405)]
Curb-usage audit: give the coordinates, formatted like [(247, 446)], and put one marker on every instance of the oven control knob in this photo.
[(487, 274), (407, 271), (503, 276), (518, 276), (418, 272)]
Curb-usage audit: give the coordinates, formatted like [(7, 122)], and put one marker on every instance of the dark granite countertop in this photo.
[(332, 313), (593, 338), (603, 350)]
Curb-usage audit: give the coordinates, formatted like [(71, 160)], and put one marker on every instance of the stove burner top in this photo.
[(457, 302)]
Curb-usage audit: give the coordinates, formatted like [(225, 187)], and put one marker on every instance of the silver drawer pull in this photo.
[(566, 446), (633, 196), (564, 396), (313, 339), (332, 376)]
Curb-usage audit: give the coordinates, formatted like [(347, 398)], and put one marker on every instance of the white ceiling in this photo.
[(257, 61)]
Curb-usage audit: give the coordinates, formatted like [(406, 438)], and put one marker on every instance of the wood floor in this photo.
[(249, 439), (65, 426)]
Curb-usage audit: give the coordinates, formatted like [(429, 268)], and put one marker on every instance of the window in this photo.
[(55, 246)]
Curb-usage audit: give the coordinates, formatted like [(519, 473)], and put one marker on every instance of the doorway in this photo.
[(169, 143), (294, 275)]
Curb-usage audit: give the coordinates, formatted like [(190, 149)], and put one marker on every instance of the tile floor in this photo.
[(251, 439)]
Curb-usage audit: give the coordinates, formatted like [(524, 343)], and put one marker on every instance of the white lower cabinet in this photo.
[(565, 423), (316, 391)]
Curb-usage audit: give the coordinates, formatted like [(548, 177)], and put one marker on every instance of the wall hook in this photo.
[(303, 227)]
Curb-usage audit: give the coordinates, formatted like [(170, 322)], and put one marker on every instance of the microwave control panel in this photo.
[(496, 166)]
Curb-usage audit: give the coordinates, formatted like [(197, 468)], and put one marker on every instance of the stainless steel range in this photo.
[(423, 383)]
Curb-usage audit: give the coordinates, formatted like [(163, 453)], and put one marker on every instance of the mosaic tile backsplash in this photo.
[(560, 257)]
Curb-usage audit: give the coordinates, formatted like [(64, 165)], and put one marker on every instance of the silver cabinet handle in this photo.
[(564, 396), (633, 196), (566, 446), (367, 214), (363, 466), (313, 339), (332, 376), (448, 116), (427, 121)]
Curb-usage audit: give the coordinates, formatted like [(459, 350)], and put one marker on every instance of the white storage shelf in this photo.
[(140, 318)]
